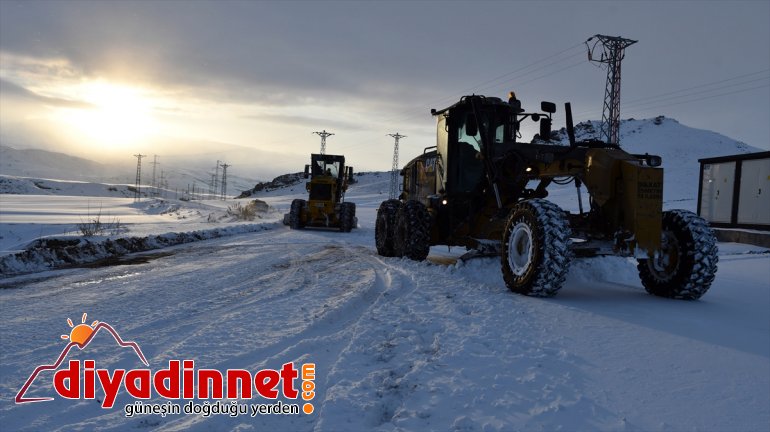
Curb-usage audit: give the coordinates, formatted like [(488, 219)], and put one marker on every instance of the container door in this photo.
[(717, 195), (754, 202)]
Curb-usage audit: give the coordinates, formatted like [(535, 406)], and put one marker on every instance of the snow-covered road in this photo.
[(401, 345), (398, 345)]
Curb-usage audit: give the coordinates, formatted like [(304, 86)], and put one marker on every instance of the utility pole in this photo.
[(394, 171), (137, 185), (224, 180), (323, 134), (154, 164), (216, 177), (613, 51), (162, 183)]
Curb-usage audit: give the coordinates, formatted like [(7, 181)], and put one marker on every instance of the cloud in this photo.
[(384, 59), (267, 53), (9, 89), (307, 121)]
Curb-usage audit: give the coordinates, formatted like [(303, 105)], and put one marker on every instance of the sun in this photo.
[(112, 115), (81, 332)]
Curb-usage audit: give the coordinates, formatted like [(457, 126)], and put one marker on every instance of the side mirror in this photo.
[(350, 173), (548, 107), (545, 129), (471, 127), (653, 161), (307, 171)]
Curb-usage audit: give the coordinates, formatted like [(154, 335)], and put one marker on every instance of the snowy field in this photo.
[(399, 345)]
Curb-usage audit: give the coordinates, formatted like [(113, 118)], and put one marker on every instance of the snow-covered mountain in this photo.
[(43, 164), (47, 164)]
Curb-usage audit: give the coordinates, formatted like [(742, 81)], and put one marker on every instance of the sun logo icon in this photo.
[(81, 332)]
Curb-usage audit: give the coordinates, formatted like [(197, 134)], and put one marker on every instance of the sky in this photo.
[(248, 83)]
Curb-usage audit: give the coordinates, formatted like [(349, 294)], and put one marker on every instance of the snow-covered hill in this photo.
[(680, 147), (36, 164), (47, 164)]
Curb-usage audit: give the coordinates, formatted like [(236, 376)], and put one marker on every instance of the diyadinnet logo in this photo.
[(179, 380)]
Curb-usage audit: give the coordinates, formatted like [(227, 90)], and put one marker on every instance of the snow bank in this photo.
[(48, 253), (44, 186)]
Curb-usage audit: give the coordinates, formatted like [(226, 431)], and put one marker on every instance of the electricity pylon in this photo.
[(613, 51), (137, 185), (394, 170), (323, 134), (224, 180)]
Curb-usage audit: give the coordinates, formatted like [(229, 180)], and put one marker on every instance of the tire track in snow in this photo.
[(420, 359), (374, 343), (329, 331)]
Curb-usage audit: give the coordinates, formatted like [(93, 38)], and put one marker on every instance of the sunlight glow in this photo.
[(118, 115)]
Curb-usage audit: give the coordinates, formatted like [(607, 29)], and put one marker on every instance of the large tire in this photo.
[(385, 227), (685, 266), (412, 238), (536, 248), (295, 214), (347, 216)]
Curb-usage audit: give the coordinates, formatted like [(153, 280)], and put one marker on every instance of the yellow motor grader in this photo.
[(481, 188), (326, 206)]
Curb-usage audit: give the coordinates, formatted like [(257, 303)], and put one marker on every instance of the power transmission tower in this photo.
[(323, 134), (163, 185), (154, 164), (394, 171), (216, 178), (224, 180), (613, 51), (138, 183)]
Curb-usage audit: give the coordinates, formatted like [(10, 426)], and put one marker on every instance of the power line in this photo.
[(513, 82), (448, 99), (705, 92), (639, 109), (707, 85), (412, 113), (654, 100), (478, 86)]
